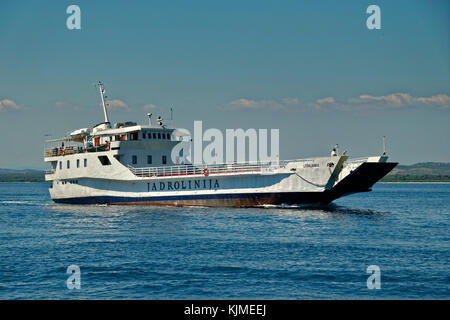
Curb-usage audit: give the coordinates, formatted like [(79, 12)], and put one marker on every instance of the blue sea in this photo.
[(143, 252)]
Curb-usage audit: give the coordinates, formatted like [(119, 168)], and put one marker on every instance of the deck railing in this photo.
[(356, 160), (64, 151), (207, 169)]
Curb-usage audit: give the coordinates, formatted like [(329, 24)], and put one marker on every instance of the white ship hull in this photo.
[(301, 181)]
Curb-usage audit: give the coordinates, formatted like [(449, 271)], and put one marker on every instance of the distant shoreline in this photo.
[(24, 181)]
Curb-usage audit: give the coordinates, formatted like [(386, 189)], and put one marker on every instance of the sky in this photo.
[(311, 69)]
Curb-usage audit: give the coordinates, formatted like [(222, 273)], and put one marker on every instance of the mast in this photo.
[(103, 96)]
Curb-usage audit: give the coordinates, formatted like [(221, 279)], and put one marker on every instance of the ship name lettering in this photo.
[(311, 165), (186, 185)]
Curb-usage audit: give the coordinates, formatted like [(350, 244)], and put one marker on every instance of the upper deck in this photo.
[(104, 140)]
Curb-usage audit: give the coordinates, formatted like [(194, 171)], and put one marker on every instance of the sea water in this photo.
[(291, 252)]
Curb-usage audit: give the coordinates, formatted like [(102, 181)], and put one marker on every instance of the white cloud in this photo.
[(290, 101), (67, 106), (393, 100), (363, 102), (244, 104), (8, 105), (150, 107), (325, 100), (267, 105), (116, 104), (440, 99), (401, 100)]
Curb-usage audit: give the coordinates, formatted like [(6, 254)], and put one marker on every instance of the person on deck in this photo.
[(333, 152)]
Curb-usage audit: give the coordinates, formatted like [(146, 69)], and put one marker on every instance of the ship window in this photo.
[(154, 135), (143, 135), (78, 163), (164, 159), (149, 136), (60, 165), (164, 136), (85, 163), (168, 136), (133, 136), (159, 135), (104, 160), (134, 159), (68, 164), (149, 159)]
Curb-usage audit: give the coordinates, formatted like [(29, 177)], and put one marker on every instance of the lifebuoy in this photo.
[(63, 152), (107, 147), (206, 171)]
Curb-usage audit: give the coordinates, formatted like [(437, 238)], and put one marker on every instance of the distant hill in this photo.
[(24, 175), (8, 171), (425, 171)]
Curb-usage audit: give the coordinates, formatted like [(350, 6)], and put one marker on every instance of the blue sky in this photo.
[(310, 68)]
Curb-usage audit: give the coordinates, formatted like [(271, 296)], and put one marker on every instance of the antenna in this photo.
[(103, 96), (149, 115), (384, 145)]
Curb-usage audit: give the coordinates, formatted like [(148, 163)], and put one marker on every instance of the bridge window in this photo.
[(164, 159), (85, 163), (78, 163), (159, 135), (133, 136), (104, 160), (143, 135), (154, 135), (149, 159), (134, 159), (164, 136), (68, 164), (60, 165)]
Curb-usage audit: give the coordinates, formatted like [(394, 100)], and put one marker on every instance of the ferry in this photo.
[(131, 164)]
